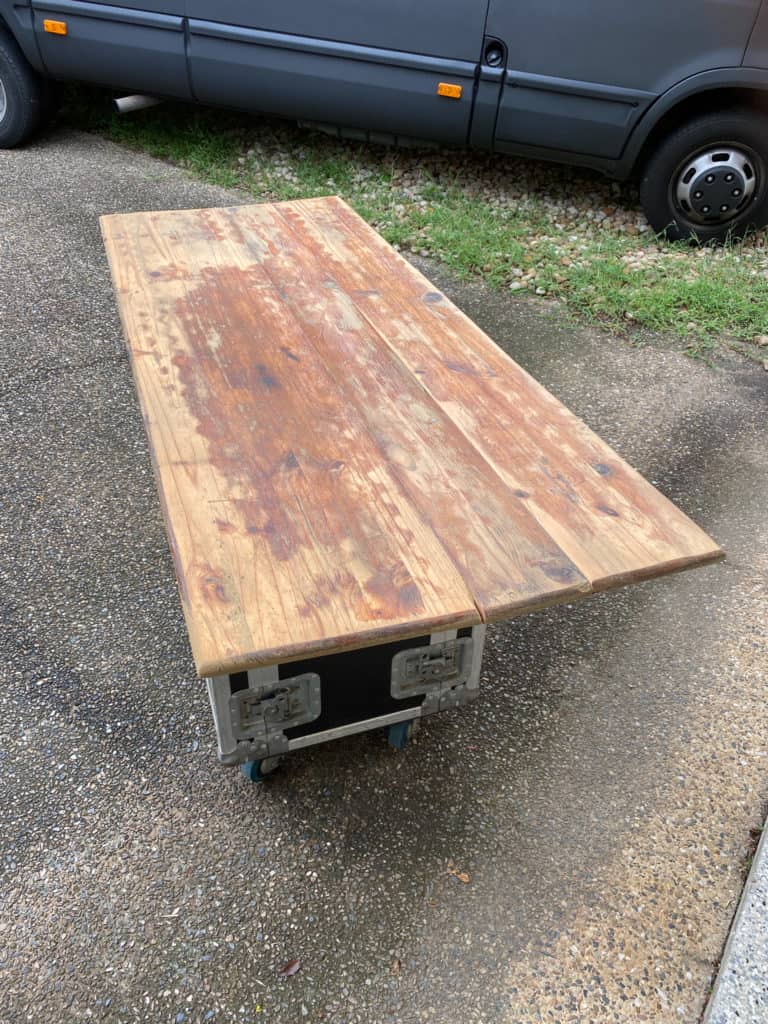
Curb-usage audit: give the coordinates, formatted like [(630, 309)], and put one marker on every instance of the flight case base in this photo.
[(264, 713)]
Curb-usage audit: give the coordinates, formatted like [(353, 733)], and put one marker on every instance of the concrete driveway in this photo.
[(599, 797)]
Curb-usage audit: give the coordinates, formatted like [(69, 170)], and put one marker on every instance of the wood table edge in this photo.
[(303, 650), (609, 583), (674, 565)]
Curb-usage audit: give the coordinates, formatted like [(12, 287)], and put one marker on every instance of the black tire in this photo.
[(21, 94), (690, 150)]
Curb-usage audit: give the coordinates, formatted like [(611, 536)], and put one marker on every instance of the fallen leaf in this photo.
[(290, 969), (454, 871), (395, 968)]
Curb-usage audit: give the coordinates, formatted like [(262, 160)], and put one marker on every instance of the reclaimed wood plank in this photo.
[(506, 559), (613, 525), (288, 531)]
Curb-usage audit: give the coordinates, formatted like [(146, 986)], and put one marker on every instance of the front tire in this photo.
[(21, 94), (708, 180)]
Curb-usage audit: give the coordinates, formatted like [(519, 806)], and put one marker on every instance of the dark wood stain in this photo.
[(212, 583), (267, 379), (465, 368), (172, 272), (239, 452), (559, 572), (394, 590)]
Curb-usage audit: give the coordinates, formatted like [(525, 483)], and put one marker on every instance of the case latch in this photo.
[(261, 714), (440, 671)]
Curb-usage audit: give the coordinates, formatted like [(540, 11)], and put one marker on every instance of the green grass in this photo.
[(512, 223)]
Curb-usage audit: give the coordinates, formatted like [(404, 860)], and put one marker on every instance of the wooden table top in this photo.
[(344, 458)]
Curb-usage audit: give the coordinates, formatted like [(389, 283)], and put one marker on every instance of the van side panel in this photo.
[(132, 46), (582, 72), (568, 115), (757, 50), (353, 87), (370, 67), (17, 15)]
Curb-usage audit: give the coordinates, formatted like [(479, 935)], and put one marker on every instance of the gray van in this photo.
[(673, 90)]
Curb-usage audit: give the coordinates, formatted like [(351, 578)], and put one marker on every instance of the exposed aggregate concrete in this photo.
[(598, 797)]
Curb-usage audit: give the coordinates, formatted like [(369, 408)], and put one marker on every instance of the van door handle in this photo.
[(494, 53)]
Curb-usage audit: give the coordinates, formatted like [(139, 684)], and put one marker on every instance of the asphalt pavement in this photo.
[(570, 848)]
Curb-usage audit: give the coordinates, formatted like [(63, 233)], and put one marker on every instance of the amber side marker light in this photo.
[(56, 28), (448, 89)]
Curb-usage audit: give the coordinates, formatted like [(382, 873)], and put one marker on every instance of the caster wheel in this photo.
[(258, 771), (399, 734)]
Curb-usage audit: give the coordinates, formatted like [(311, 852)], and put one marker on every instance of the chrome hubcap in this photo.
[(716, 185), (3, 101)]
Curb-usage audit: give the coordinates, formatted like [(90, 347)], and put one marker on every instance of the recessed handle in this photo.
[(494, 53)]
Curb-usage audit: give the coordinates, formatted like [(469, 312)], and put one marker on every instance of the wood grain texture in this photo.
[(342, 457), (288, 531), (505, 558), (614, 525)]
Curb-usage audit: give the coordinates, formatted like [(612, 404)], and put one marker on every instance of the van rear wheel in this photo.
[(708, 180), (21, 94)]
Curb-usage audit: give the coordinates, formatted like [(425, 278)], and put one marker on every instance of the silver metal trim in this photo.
[(261, 713), (353, 727), (231, 752), (219, 694), (478, 647), (257, 677), (446, 634), (130, 104)]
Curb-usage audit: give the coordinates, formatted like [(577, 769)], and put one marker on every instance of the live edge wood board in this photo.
[(343, 458)]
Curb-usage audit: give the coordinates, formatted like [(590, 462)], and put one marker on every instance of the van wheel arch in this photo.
[(710, 100)]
